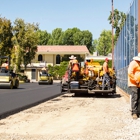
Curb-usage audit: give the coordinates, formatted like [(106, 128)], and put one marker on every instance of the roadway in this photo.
[(27, 95)]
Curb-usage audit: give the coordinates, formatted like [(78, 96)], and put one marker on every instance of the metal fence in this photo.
[(127, 46)]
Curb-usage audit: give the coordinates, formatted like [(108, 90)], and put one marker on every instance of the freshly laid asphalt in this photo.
[(27, 95)]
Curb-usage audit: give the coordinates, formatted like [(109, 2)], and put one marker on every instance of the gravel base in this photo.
[(74, 118)]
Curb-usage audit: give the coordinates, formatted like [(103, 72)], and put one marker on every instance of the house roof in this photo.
[(62, 49)]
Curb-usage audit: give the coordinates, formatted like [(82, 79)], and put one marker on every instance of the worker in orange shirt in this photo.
[(5, 64), (72, 61), (134, 84), (106, 77), (73, 66), (86, 71)]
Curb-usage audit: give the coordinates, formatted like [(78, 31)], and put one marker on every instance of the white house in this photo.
[(53, 55)]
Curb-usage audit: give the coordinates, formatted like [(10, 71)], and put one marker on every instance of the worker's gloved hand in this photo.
[(137, 82)]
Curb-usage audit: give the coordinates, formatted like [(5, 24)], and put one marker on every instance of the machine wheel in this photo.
[(77, 94), (16, 84), (51, 82), (61, 88), (11, 85)]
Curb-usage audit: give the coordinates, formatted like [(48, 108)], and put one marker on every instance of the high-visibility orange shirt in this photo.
[(5, 65), (134, 66), (86, 63), (105, 67)]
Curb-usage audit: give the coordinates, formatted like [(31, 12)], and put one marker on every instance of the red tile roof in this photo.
[(63, 49)]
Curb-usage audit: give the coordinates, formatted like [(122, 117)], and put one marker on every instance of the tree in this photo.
[(87, 38), (58, 71), (25, 39), (62, 69), (78, 38), (5, 37), (104, 43), (57, 36), (93, 47), (118, 22), (72, 36), (44, 37), (75, 36), (30, 46), (68, 37)]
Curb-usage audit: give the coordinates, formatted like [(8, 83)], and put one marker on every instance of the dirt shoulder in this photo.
[(70, 118)]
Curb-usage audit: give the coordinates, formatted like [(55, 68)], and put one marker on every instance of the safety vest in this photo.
[(75, 67), (133, 68)]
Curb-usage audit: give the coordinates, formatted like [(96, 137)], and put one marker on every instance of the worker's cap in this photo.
[(137, 58), (72, 57), (106, 59)]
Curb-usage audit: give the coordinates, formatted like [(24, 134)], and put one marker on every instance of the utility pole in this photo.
[(112, 35)]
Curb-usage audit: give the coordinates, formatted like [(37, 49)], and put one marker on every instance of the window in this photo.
[(39, 57), (58, 59)]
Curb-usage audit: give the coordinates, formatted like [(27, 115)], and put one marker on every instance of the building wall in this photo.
[(28, 73), (45, 57), (49, 58)]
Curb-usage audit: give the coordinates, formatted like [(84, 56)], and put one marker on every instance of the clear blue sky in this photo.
[(89, 15)]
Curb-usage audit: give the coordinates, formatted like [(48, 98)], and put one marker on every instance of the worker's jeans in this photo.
[(134, 99), (106, 81)]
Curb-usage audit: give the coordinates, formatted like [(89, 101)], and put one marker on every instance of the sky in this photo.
[(91, 15)]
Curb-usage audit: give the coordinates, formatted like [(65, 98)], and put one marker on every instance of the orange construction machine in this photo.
[(87, 79)]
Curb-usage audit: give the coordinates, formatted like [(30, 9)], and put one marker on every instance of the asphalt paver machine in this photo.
[(88, 80)]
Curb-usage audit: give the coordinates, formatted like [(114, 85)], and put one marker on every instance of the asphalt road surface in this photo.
[(27, 95)]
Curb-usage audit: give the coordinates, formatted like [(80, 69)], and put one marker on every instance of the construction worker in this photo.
[(91, 68), (72, 61), (86, 72), (134, 84), (5, 64), (73, 65), (106, 78)]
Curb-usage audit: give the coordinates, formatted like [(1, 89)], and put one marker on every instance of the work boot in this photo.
[(134, 116)]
